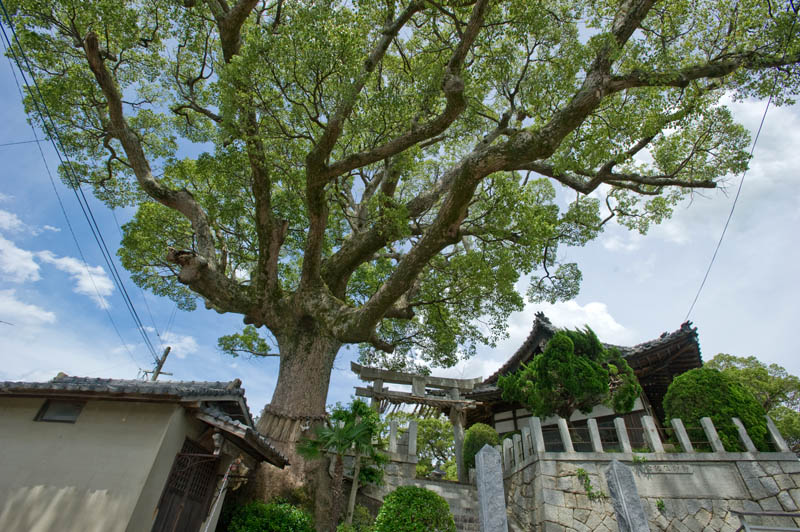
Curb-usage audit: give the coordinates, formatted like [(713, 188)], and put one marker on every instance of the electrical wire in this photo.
[(55, 139), (6, 46), (744, 174), (21, 141), (144, 298)]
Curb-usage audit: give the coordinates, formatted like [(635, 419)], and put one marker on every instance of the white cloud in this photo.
[(624, 242), (10, 222), (21, 314), (51, 228), (569, 314), (181, 345), (5, 197), (16, 264), (90, 281)]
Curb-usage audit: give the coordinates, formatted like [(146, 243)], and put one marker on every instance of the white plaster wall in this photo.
[(86, 476)]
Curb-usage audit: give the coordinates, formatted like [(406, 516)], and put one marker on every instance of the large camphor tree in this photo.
[(381, 172)]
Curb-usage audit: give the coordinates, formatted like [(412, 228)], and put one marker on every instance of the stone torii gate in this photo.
[(445, 395)]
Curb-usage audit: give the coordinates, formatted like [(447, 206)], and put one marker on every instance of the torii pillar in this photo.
[(458, 418)]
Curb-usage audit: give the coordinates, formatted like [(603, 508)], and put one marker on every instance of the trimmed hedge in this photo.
[(704, 392), (475, 438), (270, 517), (414, 509)]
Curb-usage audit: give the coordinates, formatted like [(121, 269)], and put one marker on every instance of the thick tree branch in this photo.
[(199, 271), (580, 183), (713, 69), (229, 22)]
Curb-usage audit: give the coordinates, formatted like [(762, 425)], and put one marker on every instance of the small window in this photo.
[(60, 411)]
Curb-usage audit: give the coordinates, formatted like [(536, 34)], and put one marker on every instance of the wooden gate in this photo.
[(190, 486)]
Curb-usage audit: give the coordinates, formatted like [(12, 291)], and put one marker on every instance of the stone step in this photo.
[(467, 523)]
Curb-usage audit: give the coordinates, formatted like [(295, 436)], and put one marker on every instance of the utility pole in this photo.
[(156, 372)]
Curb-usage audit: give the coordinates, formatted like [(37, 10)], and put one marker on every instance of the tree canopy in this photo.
[(573, 372), (773, 387), (383, 173)]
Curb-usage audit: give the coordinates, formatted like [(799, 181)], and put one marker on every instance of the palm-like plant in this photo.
[(350, 428)]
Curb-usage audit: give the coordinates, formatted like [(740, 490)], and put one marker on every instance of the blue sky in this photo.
[(635, 287)]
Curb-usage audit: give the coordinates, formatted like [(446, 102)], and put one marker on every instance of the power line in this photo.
[(56, 141), (6, 46), (144, 298), (744, 174), (21, 141)]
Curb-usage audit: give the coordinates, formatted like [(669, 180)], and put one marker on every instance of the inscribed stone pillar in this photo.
[(412, 438), (508, 454), (527, 442), (491, 497), (518, 456), (458, 419), (393, 436), (625, 498)]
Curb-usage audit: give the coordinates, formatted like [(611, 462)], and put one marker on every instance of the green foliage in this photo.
[(776, 390), (660, 506), (362, 521), (591, 493), (377, 156), (574, 372), (475, 438), (349, 427), (414, 509), (705, 392), (435, 441), (386, 174), (270, 517), (246, 342)]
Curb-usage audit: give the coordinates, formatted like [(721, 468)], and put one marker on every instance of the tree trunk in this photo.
[(302, 387), (337, 491), (351, 503), (298, 404)]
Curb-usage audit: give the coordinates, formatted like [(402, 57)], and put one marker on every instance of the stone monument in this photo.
[(625, 498), (491, 497)]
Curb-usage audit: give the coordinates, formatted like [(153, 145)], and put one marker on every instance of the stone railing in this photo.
[(685, 490), (530, 443)]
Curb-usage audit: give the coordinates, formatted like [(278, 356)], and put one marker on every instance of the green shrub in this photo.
[(362, 521), (476, 437), (704, 392), (270, 517), (414, 509)]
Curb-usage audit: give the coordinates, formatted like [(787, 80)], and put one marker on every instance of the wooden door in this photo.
[(184, 502)]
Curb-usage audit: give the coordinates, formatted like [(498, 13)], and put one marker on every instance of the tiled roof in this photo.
[(181, 389), (544, 330), (250, 435)]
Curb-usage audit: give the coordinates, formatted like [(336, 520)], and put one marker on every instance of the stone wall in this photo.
[(680, 491)]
